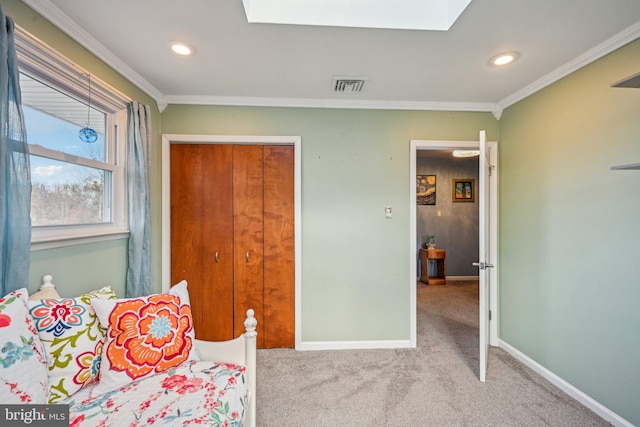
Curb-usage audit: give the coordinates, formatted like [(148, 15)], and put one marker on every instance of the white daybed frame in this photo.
[(241, 350)]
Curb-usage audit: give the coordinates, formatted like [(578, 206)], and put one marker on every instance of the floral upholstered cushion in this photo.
[(193, 393), (73, 340), (23, 366), (145, 335)]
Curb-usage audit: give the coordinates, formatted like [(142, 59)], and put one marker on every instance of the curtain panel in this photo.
[(139, 272), (15, 171)]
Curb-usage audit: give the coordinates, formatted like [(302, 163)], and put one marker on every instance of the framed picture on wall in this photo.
[(464, 190), (426, 189)]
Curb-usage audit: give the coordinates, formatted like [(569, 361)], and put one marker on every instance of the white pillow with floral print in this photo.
[(23, 366), (73, 339)]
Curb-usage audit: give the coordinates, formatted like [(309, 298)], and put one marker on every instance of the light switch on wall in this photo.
[(388, 212)]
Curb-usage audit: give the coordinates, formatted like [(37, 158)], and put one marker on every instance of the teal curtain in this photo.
[(139, 272), (15, 171)]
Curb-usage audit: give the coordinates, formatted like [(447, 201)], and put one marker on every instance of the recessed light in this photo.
[(504, 58), (182, 49)]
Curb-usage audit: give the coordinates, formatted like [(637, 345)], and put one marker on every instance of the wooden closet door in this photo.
[(202, 234), (248, 234), (279, 247)]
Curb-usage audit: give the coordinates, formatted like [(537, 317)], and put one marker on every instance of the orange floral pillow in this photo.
[(144, 335)]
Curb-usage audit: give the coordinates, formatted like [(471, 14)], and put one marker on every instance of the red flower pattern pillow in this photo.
[(144, 335)]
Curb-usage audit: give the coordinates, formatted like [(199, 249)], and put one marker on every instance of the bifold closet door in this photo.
[(202, 234), (232, 238), (279, 247), (248, 236), (263, 191)]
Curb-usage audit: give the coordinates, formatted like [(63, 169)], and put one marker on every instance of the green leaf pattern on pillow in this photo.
[(62, 346), (73, 340)]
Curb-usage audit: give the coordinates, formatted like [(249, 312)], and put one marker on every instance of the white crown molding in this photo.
[(67, 25), (330, 103), (624, 37), (49, 11)]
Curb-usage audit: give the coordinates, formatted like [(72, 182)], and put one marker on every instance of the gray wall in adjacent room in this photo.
[(454, 224)]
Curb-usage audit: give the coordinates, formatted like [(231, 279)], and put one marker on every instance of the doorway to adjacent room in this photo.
[(486, 229)]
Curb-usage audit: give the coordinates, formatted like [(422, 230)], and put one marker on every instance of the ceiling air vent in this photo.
[(348, 84)]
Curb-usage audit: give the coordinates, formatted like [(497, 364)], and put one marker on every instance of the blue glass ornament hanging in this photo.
[(87, 134)]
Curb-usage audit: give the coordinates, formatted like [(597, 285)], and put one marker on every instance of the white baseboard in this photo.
[(353, 345), (563, 385)]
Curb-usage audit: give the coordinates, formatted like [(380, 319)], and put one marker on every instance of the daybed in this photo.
[(87, 352)]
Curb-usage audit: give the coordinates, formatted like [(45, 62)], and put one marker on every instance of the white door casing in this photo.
[(296, 141)]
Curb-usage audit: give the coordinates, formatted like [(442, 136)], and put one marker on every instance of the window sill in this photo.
[(59, 238)]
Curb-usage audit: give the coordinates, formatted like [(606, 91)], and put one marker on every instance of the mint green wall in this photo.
[(355, 264), (570, 230), (569, 227), (78, 266), (82, 268)]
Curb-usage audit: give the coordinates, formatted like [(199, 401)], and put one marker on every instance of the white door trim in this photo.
[(493, 219), (296, 141)]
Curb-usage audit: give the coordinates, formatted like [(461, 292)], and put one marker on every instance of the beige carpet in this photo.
[(435, 384)]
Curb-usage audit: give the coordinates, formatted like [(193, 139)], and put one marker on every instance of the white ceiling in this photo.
[(238, 63)]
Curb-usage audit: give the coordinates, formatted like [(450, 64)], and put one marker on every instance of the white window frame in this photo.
[(41, 62)]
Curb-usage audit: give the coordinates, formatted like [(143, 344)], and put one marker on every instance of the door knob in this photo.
[(247, 256), (217, 258), (483, 265)]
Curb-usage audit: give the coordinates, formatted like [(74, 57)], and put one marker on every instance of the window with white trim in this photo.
[(78, 188)]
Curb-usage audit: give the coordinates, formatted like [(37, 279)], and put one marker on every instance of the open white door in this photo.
[(483, 264)]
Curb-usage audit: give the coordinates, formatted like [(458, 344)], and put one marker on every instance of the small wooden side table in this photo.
[(433, 269)]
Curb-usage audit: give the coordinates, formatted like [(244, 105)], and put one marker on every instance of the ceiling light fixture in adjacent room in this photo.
[(466, 153), (504, 59), (182, 49)]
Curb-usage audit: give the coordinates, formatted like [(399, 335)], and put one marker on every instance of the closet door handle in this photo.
[(247, 256), (217, 257)]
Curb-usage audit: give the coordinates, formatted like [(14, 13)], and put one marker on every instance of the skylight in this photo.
[(397, 14)]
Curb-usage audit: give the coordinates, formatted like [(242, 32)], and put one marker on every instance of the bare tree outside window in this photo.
[(77, 201)]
